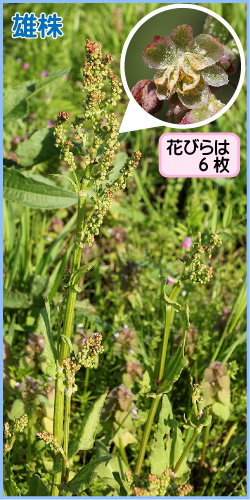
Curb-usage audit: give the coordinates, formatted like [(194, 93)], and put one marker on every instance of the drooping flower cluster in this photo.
[(61, 140), (196, 270), (51, 441), (87, 357), (103, 204), (99, 147), (10, 432), (155, 486)]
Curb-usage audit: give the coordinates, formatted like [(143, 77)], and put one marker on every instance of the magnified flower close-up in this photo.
[(189, 72)]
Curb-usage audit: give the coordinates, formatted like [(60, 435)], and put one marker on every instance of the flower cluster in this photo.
[(61, 140), (87, 357), (19, 426), (51, 441), (103, 203), (184, 490), (99, 148), (153, 485), (196, 270)]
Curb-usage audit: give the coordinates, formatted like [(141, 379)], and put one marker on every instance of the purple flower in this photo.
[(116, 335), (25, 65), (131, 352), (43, 74), (34, 387), (17, 384), (187, 243), (134, 411), (66, 76)]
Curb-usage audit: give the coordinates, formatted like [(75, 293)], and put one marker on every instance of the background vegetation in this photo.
[(139, 245)]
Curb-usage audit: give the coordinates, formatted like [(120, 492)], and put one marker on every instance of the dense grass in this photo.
[(139, 245)]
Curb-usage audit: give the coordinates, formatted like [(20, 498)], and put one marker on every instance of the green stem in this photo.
[(65, 470), (123, 452), (186, 450), (146, 434), (67, 330), (169, 316), (204, 448)]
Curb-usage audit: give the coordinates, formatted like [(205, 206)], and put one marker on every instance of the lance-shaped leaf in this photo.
[(15, 101), (84, 476), (77, 275), (86, 435), (32, 193), (168, 444), (49, 352)]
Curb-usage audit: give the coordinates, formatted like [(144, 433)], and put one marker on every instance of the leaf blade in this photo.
[(34, 194)]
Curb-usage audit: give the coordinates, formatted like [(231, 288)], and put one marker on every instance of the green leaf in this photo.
[(145, 383), (45, 402), (227, 216), (172, 303), (84, 476), (86, 435), (37, 488), (221, 411), (10, 489), (49, 352), (67, 341), (113, 475), (77, 275), (14, 101), (17, 409), (15, 300), (38, 148), (168, 445), (34, 194), (50, 77), (174, 366)]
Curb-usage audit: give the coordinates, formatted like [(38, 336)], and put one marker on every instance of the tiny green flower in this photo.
[(186, 66)]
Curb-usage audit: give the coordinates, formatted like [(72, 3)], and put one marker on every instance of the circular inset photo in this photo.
[(183, 65)]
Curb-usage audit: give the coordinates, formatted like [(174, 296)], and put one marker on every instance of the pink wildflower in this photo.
[(187, 243)]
